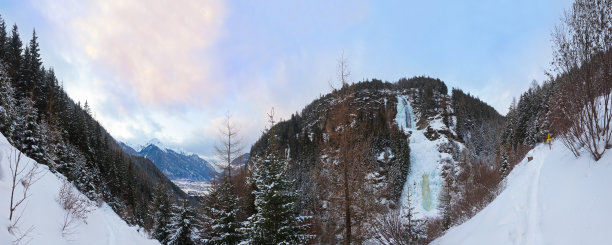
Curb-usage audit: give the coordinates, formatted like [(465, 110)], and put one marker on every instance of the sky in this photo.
[(173, 70)]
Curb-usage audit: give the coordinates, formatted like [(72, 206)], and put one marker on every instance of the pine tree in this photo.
[(185, 226), (162, 215), (275, 221), (79, 172), (7, 106), (511, 124), (36, 63), (24, 82), (222, 212), (3, 39), (446, 195), (505, 164), (532, 133), (414, 227), (14, 49), (28, 135), (39, 86)]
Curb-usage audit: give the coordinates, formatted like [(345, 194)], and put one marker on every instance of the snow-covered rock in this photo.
[(44, 216), (554, 199)]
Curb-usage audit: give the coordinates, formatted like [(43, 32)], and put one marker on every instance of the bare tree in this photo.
[(399, 226), (344, 72), (229, 146), (581, 108), (342, 179), (24, 173), (77, 207)]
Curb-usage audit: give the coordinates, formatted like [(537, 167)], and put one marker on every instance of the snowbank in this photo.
[(45, 216), (554, 199)]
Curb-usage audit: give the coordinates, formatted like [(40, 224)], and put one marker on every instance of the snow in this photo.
[(193, 188), (554, 199), (44, 214), (424, 180), (438, 124), (161, 145)]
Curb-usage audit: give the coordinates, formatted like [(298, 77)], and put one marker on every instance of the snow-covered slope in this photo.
[(554, 199), (45, 216)]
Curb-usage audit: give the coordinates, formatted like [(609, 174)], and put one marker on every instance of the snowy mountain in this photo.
[(175, 164), (554, 199), (413, 124), (128, 149), (43, 216)]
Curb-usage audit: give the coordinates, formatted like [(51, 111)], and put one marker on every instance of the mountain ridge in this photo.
[(175, 164)]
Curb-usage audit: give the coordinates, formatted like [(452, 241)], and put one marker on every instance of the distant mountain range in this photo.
[(178, 164)]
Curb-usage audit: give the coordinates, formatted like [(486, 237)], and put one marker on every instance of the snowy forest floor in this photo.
[(554, 199)]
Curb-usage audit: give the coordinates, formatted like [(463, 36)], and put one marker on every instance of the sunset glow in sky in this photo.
[(172, 69)]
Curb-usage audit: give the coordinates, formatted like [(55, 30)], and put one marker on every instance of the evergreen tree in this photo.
[(3, 40), (505, 164), (39, 86), (511, 124), (14, 46), (222, 212), (185, 225), (446, 198), (7, 105), (275, 221), (14, 59), (79, 172), (414, 227), (24, 81), (532, 133), (35, 61), (28, 135), (162, 215)]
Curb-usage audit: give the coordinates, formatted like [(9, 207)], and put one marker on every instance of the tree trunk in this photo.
[(347, 206)]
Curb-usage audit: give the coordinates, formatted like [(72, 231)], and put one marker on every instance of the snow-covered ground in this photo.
[(45, 215), (193, 188), (554, 199), (424, 179)]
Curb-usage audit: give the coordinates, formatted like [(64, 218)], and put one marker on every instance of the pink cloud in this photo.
[(160, 48)]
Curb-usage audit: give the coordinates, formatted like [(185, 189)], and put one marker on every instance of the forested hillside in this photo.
[(379, 150), (42, 121)]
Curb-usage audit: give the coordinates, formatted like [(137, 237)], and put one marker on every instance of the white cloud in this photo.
[(145, 66)]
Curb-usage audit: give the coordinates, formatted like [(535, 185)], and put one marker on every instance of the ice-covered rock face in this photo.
[(424, 180), (405, 115)]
